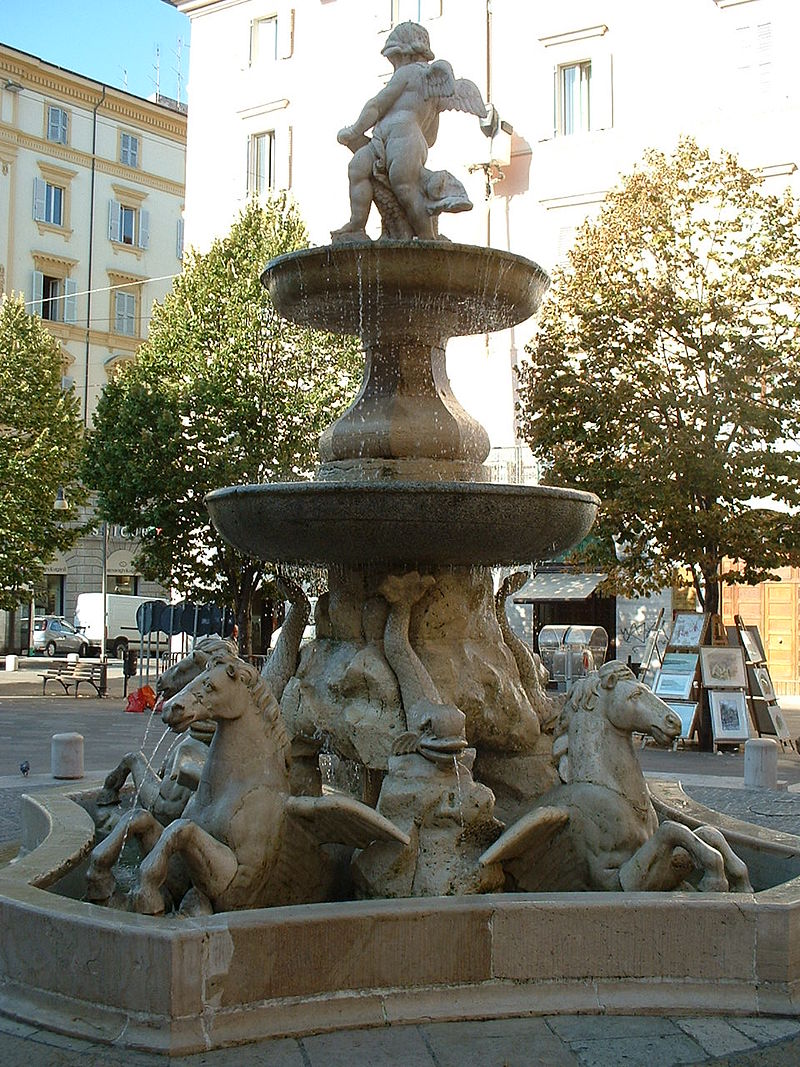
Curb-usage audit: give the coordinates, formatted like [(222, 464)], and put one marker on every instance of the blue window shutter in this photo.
[(39, 199), (70, 300), (114, 220), (144, 228), (179, 240), (37, 292)]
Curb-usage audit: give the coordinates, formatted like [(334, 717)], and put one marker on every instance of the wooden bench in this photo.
[(92, 673)]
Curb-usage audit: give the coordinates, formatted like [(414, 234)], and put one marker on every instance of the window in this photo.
[(572, 97), (264, 40), (128, 225), (54, 297), (261, 163), (57, 125), (754, 59), (125, 314), (48, 202), (128, 149), (414, 10)]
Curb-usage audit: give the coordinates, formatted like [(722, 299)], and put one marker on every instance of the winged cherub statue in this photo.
[(388, 168)]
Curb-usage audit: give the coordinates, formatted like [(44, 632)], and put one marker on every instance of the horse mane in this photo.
[(261, 692), (212, 644)]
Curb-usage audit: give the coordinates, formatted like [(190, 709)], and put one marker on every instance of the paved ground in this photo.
[(27, 723)]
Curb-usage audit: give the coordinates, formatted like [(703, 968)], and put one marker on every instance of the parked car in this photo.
[(52, 634)]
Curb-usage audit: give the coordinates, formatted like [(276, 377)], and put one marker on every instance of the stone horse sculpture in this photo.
[(165, 792), (598, 830), (243, 841), (388, 168)]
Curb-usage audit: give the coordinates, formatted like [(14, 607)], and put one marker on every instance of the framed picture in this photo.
[(679, 663), (778, 721), (677, 686), (728, 716), (751, 649), (686, 713), (688, 630), (761, 683), (723, 668), (762, 718)]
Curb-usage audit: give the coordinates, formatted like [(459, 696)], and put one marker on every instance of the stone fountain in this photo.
[(413, 676)]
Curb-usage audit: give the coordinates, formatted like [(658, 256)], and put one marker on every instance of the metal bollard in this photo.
[(66, 755), (761, 763)]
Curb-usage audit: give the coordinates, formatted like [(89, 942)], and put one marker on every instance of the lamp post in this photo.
[(104, 589)]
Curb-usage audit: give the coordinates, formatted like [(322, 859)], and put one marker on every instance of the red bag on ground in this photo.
[(143, 699)]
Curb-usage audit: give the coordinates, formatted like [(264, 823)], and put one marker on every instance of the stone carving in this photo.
[(243, 840), (429, 791), (532, 672), (388, 168), (598, 830)]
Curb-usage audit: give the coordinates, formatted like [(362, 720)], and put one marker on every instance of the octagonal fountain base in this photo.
[(183, 985)]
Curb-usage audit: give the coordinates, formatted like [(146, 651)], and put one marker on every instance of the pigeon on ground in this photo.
[(24, 768)]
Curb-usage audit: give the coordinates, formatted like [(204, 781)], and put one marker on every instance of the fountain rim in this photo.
[(409, 488)]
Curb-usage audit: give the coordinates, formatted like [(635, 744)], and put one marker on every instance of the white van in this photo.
[(121, 630)]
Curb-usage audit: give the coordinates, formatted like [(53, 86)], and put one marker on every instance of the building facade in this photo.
[(91, 233), (585, 85)]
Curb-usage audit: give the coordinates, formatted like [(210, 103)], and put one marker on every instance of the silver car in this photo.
[(53, 634)]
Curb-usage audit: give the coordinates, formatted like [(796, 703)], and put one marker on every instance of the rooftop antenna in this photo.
[(158, 73), (178, 68), (124, 78)]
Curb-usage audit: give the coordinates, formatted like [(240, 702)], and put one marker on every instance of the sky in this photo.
[(107, 40)]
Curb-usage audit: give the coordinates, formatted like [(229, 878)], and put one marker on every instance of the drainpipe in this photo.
[(91, 249)]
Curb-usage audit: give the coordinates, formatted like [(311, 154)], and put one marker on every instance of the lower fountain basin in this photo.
[(436, 523)]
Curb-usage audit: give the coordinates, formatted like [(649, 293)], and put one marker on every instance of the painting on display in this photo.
[(723, 668), (689, 629), (729, 716), (679, 663), (677, 686), (750, 645), (686, 713), (761, 683), (778, 721)]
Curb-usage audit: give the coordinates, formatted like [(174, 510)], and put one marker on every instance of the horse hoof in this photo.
[(146, 901), (100, 886), (106, 797), (713, 883)]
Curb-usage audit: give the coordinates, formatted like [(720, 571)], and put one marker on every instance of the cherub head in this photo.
[(408, 40)]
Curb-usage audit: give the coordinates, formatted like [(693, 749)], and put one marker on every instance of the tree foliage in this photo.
[(223, 392), (41, 439), (665, 375)]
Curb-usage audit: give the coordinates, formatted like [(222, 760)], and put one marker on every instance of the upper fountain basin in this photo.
[(418, 523), (422, 288)]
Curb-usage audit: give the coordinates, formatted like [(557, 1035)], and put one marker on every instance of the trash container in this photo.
[(130, 664)]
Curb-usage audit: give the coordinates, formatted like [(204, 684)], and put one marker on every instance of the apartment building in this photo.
[(585, 86), (91, 232)]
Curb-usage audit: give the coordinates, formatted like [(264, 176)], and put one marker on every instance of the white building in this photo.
[(587, 85), (91, 202)]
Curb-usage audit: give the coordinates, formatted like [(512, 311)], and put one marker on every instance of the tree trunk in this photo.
[(712, 600), (244, 611)]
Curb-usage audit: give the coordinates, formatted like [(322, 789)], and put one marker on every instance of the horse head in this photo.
[(632, 707), (226, 689), (181, 673)]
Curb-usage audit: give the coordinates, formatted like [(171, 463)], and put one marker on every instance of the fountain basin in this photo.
[(445, 523), (184, 985), (378, 289)]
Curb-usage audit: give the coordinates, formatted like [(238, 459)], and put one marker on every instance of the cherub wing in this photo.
[(530, 833), (453, 94), (343, 820)]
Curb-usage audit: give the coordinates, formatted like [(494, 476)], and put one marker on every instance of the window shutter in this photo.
[(133, 152), (286, 34), (37, 292), (39, 199), (556, 103), (601, 93), (179, 240), (114, 220), (144, 228), (119, 313), (70, 300), (57, 125)]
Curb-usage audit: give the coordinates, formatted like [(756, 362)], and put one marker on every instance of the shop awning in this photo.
[(558, 586)]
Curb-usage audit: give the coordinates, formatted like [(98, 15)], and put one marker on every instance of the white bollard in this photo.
[(761, 763), (11, 663), (73, 659), (66, 755)]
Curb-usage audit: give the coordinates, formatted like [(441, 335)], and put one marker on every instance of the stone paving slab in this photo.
[(552, 1041), (765, 807)]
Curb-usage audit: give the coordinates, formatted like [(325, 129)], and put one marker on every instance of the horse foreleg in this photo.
[(210, 864), (115, 780), (735, 869), (138, 824), (661, 862)]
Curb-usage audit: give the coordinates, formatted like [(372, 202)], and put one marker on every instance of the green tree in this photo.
[(222, 392), (665, 375), (41, 439)]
